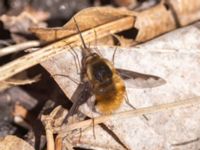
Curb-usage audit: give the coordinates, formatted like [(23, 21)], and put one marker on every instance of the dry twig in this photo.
[(19, 47), (47, 52), (132, 113)]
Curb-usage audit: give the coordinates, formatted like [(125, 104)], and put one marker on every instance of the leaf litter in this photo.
[(165, 60), (180, 69)]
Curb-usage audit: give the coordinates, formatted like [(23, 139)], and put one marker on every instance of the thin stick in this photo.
[(132, 113), (56, 48), (50, 139), (58, 143), (18, 47)]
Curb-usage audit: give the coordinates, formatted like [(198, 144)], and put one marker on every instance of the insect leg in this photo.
[(75, 55), (93, 129), (128, 103), (113, 56), (67, 76)]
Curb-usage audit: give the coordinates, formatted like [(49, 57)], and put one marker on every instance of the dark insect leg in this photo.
[(93, 129), (77, 63), (113, 56), (72, 79), (128, 103), (186, 142)]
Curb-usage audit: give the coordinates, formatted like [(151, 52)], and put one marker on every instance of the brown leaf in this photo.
[(185, 11), (11, 142), (153, 22), (149, 23), (21, 23), (87, 19)]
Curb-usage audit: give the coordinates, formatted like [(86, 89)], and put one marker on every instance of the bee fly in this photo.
[(104, 81)]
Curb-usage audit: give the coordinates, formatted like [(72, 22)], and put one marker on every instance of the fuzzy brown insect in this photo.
[(105, 82), (107, 85)]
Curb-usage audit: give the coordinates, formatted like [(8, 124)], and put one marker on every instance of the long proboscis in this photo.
[(86, 49)]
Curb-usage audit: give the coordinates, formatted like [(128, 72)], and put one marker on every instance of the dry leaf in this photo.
[(153, 22), (147, 27), (21, 23), (127, 3), (15, 82), (95, 16), (11, 142), (185, 11), (18, 47), (164, 130), (51, 50), (149, 23), (26, 19)]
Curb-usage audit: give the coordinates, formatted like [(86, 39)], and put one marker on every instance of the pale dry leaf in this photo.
[(180, 69), (11, 142)]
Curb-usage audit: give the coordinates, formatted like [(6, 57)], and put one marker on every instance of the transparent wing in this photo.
[(140, 80)]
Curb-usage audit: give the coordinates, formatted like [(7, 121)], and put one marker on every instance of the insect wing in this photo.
[(80, 96), (140, 80)]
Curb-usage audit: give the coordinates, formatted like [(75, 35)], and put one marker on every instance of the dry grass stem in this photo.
[(132, 113), (48, 52), (18, 47), (50, 139)]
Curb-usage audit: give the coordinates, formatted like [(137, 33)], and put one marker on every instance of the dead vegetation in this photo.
[(41, 74)]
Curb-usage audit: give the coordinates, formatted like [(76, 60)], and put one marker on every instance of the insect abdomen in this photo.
[(107, 103)]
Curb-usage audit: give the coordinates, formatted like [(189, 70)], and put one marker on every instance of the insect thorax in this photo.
[(98, 70)]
